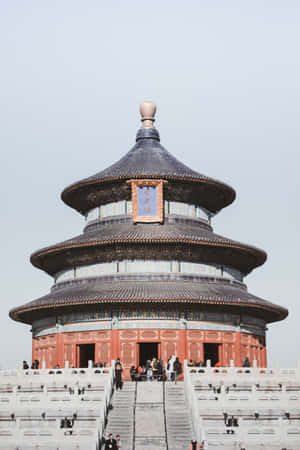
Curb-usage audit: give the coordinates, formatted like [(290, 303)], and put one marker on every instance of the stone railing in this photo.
[(254, 371), (90, 371), (239, 388), (65, 391)]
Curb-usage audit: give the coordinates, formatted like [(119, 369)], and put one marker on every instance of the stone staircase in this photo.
[(178, 417), (151, 416), (121, 417)]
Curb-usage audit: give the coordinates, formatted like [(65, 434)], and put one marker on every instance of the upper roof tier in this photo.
[(147, 159)]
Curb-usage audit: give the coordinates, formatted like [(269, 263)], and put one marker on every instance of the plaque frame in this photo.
[(159, 217)]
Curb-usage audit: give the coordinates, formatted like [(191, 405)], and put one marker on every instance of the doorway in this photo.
[(147, 351), (85, 353), (211, 352)]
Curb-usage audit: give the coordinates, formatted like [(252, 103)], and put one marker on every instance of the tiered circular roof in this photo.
[(116, 239)]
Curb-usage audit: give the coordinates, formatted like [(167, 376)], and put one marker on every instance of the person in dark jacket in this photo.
[(118, 374), (66, 423), (36, 364), (194, 445), (177, 369), (110, 443), (246, 362), (132, 372)]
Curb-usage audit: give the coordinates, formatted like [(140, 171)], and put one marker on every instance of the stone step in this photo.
[(122, 423), (185, 434), (175, 423), (176, 444), (120, 419), (120, 426), (179, 436), (118, 414), (181, 432), (122, 433), (124, 395), (150, 443)]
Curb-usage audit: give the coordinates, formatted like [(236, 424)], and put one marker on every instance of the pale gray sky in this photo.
[(225, 77)]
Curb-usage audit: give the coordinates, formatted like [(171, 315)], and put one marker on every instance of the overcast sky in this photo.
[(225, 78)]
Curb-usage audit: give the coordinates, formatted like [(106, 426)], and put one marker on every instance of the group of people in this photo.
[(115, 443), (230, 421), (152, 370), (246, 363), (155, 370), (192, 363), (174, 368), (67, 423), (195, 445), (35, 364), (112, 443)]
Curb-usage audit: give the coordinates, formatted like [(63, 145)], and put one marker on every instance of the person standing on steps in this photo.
[(149, 372), (177, 369), (110, 443), (25, 365), (154, 368), (170, 368), (133, 373), (118, 374), (194, 445), (118, 441)]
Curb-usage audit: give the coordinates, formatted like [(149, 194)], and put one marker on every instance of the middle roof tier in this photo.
[(116, 240)]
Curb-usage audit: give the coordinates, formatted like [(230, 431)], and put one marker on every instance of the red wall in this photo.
[(186, 344)]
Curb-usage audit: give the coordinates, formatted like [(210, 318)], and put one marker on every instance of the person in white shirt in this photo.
[(170, 368)]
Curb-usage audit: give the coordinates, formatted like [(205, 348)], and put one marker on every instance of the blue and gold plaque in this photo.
[(147, 200)]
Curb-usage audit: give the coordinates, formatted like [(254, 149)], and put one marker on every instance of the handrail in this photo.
[(65, 371), (241, 371)]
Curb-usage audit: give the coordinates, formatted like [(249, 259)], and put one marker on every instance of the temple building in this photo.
[(148, 276)]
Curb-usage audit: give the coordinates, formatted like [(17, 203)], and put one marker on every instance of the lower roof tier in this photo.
[(175, 239), (203, 292)]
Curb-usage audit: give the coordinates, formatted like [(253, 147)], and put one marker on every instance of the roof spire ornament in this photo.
[(147, 110)]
